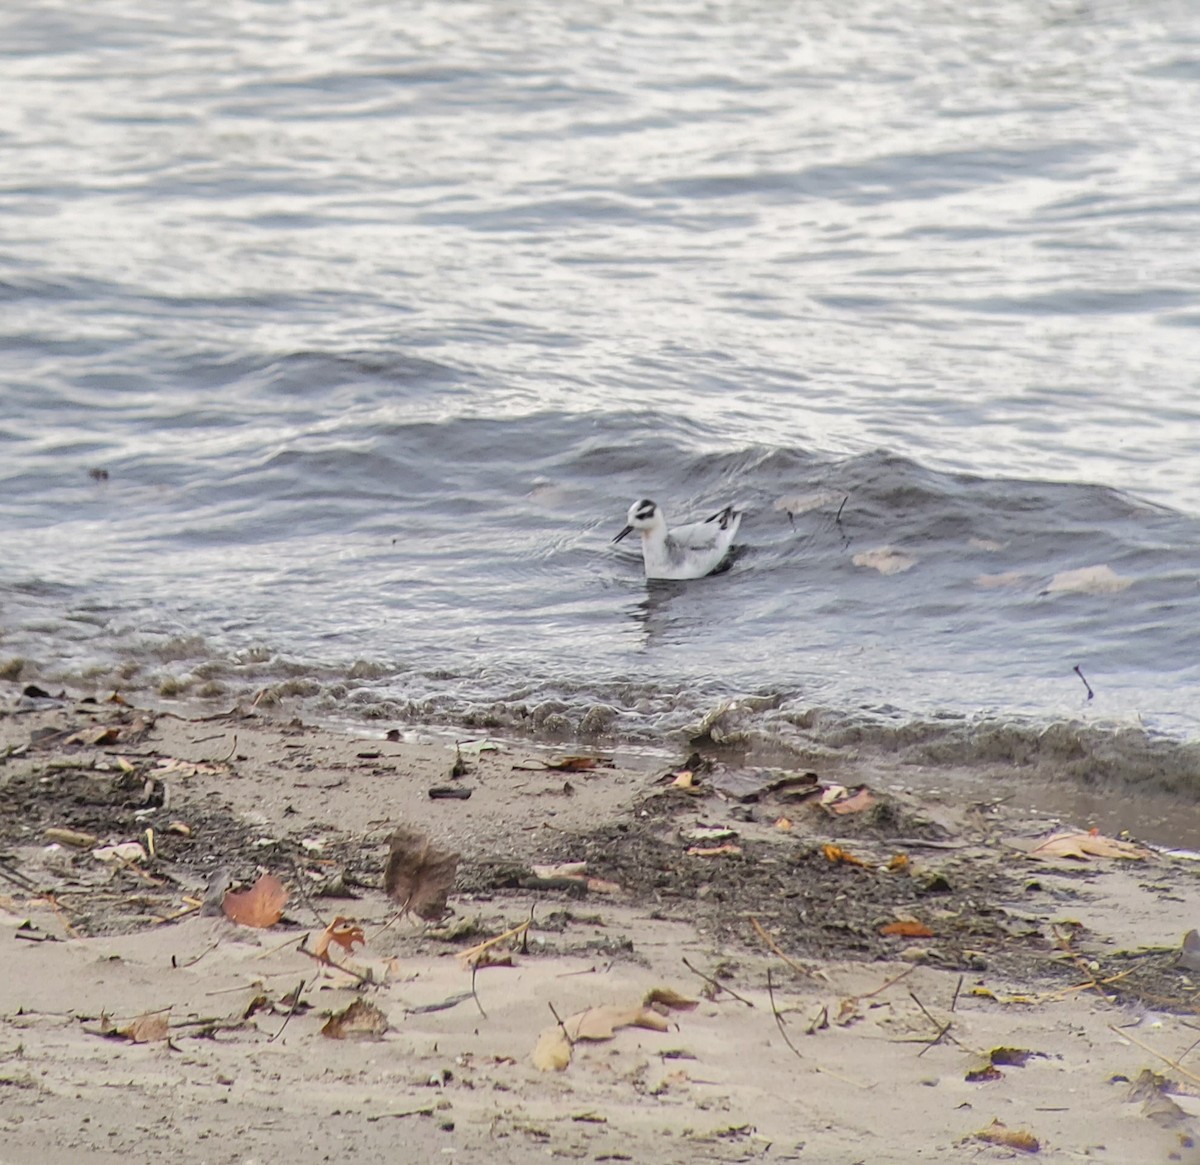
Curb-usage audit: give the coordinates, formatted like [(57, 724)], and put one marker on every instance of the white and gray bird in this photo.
[(690, 551)]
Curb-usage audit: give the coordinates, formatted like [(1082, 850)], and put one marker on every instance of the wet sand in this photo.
[(1048, 957)]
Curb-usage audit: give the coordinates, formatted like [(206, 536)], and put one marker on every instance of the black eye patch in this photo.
[(646, 510)]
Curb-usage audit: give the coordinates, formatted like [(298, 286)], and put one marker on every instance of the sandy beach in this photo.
[(832, 975)]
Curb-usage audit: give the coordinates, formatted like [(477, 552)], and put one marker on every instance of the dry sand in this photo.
[(739, 1078)]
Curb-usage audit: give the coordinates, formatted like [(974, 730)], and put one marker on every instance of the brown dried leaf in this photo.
[(907, 928), (984, 1074), (360, 1021), (998, 1134), (579, 764), (419, 875), (341, 931), (261, 905), (835, 853), (713, 851), (848, 1012), (147, 1029), (1012, 1057), (601, 886), (899, 862), (96, 734), (861, 800), (669, 998), (1081, 846)]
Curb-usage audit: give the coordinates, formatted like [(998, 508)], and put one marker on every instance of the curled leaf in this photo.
[(360, 1021)]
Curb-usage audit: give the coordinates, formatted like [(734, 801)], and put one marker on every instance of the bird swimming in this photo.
[(690, 551)]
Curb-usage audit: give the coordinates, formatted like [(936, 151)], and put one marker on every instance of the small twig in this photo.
[(193, 961), (379, 1116), (440, 1005), (890, 983), (1189, 1047), (479, 948), (18, 879), (326, 961), (779, 1022), (1090, 694), (249, 986), (719, 986), (191, 908), (558, 1020), (387, 925), (474, 993), (220, 760), (942, 1028), (1090, 985), (269, 951), (758, 927), (838, 516), (1147, 1048), (291, 1012), (957, 989), (779, 1018), (298, 884)]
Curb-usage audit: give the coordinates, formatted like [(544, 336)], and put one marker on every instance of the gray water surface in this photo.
[(377, 317)]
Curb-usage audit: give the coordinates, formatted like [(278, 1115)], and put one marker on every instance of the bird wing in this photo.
[(700, 535)]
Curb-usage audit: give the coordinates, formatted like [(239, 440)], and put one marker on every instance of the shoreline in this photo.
[(1019, 953)]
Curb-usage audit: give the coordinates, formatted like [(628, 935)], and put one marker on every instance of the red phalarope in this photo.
[(690, 551)]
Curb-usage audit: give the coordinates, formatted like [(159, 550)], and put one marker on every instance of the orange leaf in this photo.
[(835, 853), (899, 862), (341, 931), (699, 851), (784, 823), (261, 905), (907, 929)]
